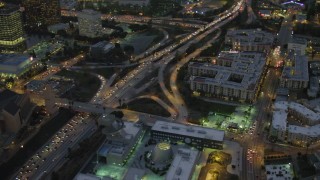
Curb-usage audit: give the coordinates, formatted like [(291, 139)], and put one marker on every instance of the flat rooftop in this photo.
[(248, 65), (251, 36), (13, 59), (189, 130), (279, 172), (182, 165), (298, 40), (298, 70)]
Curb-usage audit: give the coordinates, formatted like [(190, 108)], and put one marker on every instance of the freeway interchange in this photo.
[(51, 155)]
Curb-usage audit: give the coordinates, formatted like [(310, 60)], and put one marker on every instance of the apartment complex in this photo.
[(195, 136), (298, 45), (295, 74), (249, 40), (299, 135), (11, 31), (15, 65), (233, 75), (90, 24), (42, 13)]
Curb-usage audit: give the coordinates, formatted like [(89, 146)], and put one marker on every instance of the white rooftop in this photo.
[(182, 166), (279, 172), (298, 70), (312, 131), (249, 65), (299, 108), (280, 113), (189, 130)]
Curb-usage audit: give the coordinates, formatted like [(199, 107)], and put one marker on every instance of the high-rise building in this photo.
[(11, 32), (41, 13)]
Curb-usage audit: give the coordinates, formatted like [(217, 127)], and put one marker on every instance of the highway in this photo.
[(52, 153)]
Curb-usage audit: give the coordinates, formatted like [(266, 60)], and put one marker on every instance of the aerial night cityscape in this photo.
[(160, 90)]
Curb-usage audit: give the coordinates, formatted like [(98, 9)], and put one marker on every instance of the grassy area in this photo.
[(86, 85), (46, 131), (148, 106)]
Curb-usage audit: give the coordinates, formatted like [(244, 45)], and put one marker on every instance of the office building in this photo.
[(232, 76), (249, 40), (14, 65), (41, 13), (11, 31), (90, 24), (183, 164), (195, 136), (295, 74), (297, 45), (15, 110)]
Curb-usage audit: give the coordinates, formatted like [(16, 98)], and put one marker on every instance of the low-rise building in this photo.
[(297, 45), (279, 171), (233, 75), (183, 164), (196, 136), (101, 49), (295, 74), (250, 40), (118, 145), (15, 65)]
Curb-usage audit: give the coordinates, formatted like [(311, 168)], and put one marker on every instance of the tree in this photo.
[(128, 49), (118, 114)]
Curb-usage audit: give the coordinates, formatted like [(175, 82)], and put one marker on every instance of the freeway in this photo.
[(164, 56), (54, 151)]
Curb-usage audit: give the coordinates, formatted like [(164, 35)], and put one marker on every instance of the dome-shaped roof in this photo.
[(161, 153)]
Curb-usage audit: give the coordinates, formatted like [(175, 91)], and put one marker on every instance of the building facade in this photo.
[(41, 13), (233, 75), (195, 136), (11, 29), (295, 74), (183, 164), (298, 135)]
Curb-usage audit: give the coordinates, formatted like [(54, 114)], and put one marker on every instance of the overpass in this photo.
[(129, 115)]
